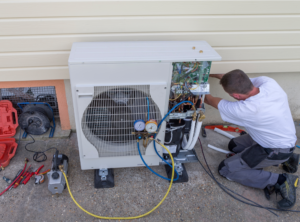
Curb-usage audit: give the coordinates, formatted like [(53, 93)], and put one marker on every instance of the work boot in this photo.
[(268, 191), (287, 191), (291, 165)]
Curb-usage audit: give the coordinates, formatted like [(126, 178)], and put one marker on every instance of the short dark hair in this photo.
[(236, 81)]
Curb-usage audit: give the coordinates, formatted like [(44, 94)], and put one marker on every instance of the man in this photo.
[(263, 109)]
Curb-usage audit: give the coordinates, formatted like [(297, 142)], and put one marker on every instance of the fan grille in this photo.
[(108, 120)]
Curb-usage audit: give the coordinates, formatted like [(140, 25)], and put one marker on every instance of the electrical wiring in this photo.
[(195, 67), (175, 98), (171, 110), (126, 218), (185, 84), (195, 87), (186, 74), (37, 154), (7, 188), (170, 130), (226, 189)]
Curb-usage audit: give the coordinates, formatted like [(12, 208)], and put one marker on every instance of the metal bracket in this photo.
[(201, 89), (184, 156), (103, 174), (183, 115)]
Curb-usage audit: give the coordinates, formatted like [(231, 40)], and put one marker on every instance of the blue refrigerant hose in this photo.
[(158, 128), (138, 146), (161, 123)]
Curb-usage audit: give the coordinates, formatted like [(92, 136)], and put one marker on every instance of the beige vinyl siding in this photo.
[(60, 58), (88, 8), (141, 24), (256, 36)]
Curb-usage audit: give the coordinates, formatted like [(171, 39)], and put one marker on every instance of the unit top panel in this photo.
[(142, 51)]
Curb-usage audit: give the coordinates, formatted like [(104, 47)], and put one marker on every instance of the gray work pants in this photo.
[(237, 170)]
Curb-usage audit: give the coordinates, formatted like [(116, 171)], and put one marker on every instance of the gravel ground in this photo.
[(136, 191)]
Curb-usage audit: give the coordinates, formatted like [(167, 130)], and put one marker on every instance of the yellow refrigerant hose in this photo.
[(126, 218)]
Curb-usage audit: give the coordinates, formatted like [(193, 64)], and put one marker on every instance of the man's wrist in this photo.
[(218, 76)]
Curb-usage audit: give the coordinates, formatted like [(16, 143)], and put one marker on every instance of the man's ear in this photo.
[(236, 96)]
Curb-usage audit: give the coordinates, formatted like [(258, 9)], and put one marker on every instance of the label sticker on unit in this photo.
[(171, 148)]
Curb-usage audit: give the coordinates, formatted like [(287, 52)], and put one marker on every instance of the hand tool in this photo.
[(26, 161), (39, 179), (6, 179), (225, 128), (21, 178), (31, 174), (24, 177), (19, 172)]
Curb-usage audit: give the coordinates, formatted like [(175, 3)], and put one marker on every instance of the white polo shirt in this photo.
[(266, 116)]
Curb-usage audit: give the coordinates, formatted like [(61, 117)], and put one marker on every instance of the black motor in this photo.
[(36, 118), (174, 136)]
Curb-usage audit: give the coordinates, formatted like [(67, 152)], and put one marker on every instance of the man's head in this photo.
[(237, 84)]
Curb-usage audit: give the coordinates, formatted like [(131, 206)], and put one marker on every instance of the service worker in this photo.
[(262, 108)]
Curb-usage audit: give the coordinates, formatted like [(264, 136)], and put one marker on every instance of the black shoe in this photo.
[(268, 191), (287, 191), (291, 165)]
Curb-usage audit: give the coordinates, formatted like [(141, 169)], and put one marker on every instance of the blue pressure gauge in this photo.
[(139, 125)]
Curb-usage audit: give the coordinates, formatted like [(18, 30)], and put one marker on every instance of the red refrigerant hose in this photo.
[(26, 161)]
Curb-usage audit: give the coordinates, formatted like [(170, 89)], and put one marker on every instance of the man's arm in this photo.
[(218, 76), (213, 101)]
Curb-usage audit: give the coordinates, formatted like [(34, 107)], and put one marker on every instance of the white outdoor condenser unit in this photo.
[(112, 83)]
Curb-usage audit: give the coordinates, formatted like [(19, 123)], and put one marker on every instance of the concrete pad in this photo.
[(136, 191)]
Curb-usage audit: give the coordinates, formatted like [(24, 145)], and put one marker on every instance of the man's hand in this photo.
[(212, 101), (218, 76)]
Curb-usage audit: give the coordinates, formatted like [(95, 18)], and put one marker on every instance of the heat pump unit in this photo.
[(115, 84)]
